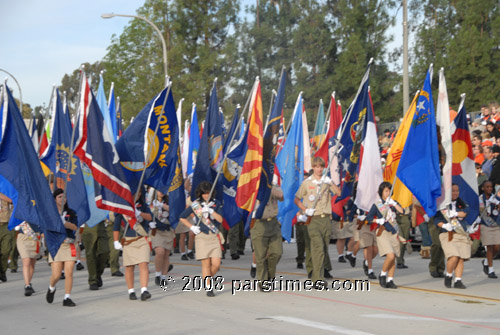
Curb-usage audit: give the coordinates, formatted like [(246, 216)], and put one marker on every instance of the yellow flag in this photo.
[(400, 192)]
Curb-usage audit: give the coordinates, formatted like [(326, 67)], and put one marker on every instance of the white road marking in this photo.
[(422, 318), (319, 325)]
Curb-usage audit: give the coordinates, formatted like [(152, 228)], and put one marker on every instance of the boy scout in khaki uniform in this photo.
[(266, 237), (314, 199), (5, 235)]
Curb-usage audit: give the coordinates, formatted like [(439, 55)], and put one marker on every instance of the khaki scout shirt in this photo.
[(271, 209), (308, 192), (5, 211)]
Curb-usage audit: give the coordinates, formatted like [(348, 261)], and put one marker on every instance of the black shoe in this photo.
[(371, 275), (492, 275), (235, 256), (132, 296), (184, 257), (176, 251), (382, 280), (365, 269), (13, 270), (28, 290), (241, 252), (342, 259), (485, 267), (62, 276), (3, 277), (309, 275), (441, 274), (145, 296), (401, 266), (300, 266), (327, 274), (50, 296), (158, 280), (391, 285), (253, 271), (93, 287), (79, 266), (117, 273), (190, 255), (99, 281), (447, 281), (68, 303), (434, 274), (210, 293), (459, 284), (351, 259), (170, 267)]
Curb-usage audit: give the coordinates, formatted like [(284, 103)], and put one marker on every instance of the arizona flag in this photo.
[(463, 168), (249, 181), (400, 192)]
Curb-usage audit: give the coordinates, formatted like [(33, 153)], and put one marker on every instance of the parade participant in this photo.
[(343, 231), (404, 225), (28, 245), (66, 255), (302, 239), (203, 218), (383, 212), (266, 238), (490, 230), (114, 254), (183, 232), (95, 240), (367, 242), (162, 237), (454, 237), (5, 234), (135, 246), (314, 200)]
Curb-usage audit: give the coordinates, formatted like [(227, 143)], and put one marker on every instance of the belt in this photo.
[(321, 215)]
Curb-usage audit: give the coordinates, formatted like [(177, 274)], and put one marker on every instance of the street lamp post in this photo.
[(110, 15), (19, 88)]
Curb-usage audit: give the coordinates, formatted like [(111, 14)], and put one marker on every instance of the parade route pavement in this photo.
[(421, 305)]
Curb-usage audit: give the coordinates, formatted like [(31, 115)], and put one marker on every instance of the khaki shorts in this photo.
[(346, 231), (490, 235), (367, 238), (65, 253), (388, 243), (207, 246), (27, 247), (459, 246), (163, 239), (136, 252)]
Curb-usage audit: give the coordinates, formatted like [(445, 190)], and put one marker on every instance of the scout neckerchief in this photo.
[(490, 209)]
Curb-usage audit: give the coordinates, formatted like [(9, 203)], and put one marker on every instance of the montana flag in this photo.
[(443, 121), (463, 167), (210, 151), (95, 148), (290, 163), (420, 158), (63, 164), (352, 135), (370, 169), (152, 137), (400, 192), (270, 147), (22, 179), (249, 181)]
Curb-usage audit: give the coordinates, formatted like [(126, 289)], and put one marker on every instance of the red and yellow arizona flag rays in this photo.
[(248, 184)]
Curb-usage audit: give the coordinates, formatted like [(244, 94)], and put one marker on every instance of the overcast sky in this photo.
[(41, 40)]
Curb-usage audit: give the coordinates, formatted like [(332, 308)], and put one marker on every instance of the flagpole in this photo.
[(273, 94)]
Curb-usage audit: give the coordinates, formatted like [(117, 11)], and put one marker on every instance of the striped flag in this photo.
[(248, 184)]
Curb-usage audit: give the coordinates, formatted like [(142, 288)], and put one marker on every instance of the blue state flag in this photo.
[(176, 194), (103, 105), (63, 164), (419, 165), (22, 179), (194, 142), (270, 142), (96, 214), (112, 112), (139, 141), (290, 163), (354, 130), (210, 152)]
